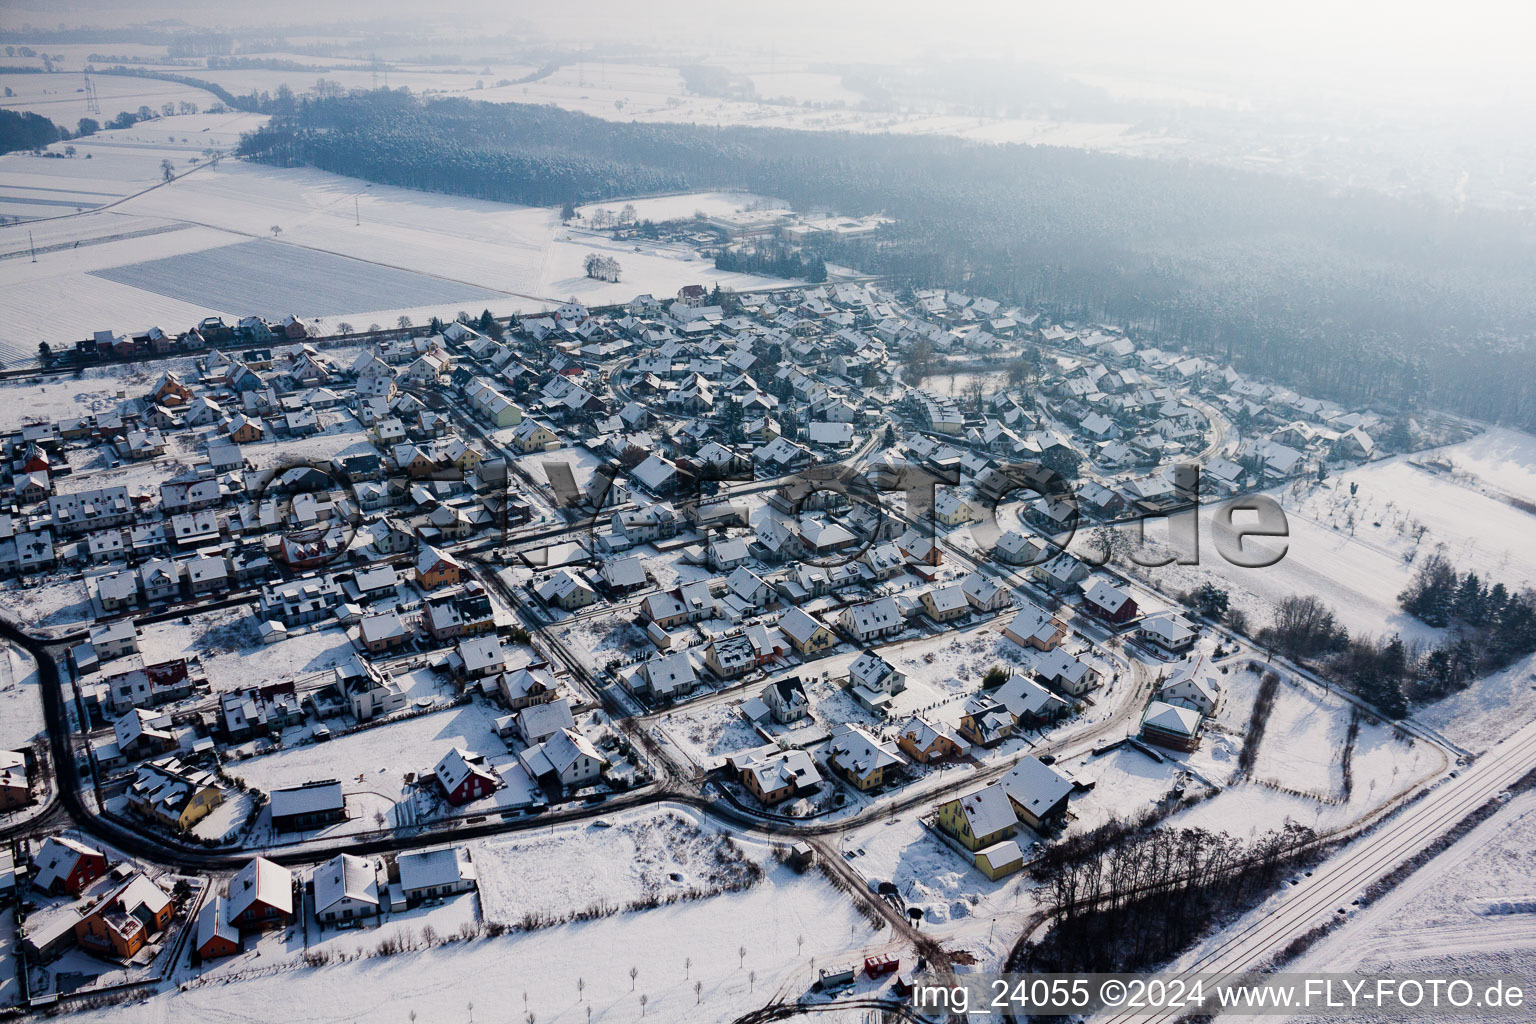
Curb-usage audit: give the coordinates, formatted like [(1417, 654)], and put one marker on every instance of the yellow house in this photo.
[(532, 436), (979, 819), (806, 634), (860, 758), (952, 510), (945, 604), (172, 793), (467, 458)]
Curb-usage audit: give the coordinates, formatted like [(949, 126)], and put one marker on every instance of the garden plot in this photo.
[(1126, 783), (604, 637), (711, 733), (933, 875), (372, 772), (96, 390), (225, 641), (1384, 765), (343, 436), (588, 871), (21, 699), (56, 606)]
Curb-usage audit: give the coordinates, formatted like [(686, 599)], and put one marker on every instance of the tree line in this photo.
[(1125, 896), (1491, 627), (773, 261)]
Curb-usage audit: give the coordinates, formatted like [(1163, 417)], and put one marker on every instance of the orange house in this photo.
[(122, 923), (435, 569)]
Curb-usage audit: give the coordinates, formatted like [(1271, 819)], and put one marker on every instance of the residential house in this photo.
[(1066, 672), (1172, 726), (465, 776), (774, 776), (346, 889), (1107, 602), (567, 758), (307, 806), (786, 700), (65, 865), (925, 743), (1036, 628), (261, 896), (980, 818), (945, 604), (433, 874), (1168, 632), (173, 794), (872, 620), (860, 758), (983, 594), (1037, 791), (806, 635)]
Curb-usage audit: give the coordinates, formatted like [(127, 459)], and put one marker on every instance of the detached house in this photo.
[(860, 758), (872, 620), (465, 776), (786, 700), (261, 896), (805, 634)]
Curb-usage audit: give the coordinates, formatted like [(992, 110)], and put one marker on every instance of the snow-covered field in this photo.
[(584, 868), (21, 702), (673, 947), (1490, 709), (464, 252), (1468, 911)]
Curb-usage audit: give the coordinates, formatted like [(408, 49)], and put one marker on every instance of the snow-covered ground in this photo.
[(1468, 911), (588, 868), (672, 947), (372, 765), (506, 257), (21, 699)]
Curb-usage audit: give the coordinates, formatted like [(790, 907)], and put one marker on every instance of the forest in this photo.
[(25, 131), (1348, 295)]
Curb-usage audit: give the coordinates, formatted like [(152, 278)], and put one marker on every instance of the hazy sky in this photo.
[(1407, 51)]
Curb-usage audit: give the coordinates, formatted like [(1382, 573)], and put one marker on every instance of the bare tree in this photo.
[(741, 957), (643, 1000), (634, 972), (580, 987), (687, 966), (403, 322), (167, 170), (698, 992), (799, 944), (276, 230), (751, 981)]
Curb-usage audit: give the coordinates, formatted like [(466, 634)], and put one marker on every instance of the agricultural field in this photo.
[(171, 254), (263, 274)]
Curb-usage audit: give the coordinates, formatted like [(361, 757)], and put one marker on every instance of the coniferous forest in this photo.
[(1348, 295)]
